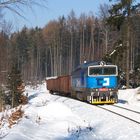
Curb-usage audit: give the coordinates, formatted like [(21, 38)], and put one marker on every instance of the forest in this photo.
[(32, 54)]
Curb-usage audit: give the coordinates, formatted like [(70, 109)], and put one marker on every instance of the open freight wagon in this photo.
[(59, 85)]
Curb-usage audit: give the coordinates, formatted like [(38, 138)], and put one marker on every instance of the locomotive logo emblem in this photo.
[(103, 82)]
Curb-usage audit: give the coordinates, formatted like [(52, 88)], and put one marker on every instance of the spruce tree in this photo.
[(14, 82), (121, 13)]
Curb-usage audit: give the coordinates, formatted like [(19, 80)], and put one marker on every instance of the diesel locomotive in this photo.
[(93, 82)]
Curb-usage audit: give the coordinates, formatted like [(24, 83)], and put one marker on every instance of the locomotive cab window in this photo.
[(95, 71), (106, 70), (109, 71)]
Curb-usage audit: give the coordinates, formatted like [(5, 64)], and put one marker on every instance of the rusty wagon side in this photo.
[(60, 85)]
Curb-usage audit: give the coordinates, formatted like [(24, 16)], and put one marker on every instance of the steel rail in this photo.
[(126, 109), (119, 115)]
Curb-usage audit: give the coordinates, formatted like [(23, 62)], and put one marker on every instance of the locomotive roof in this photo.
[(85, 65)]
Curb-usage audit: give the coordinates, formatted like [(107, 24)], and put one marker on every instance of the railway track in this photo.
[(126, 113), (126, 109)]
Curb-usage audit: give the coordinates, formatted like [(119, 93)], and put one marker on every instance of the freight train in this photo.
[(93, 82)]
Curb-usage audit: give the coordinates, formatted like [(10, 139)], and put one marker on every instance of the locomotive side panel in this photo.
[(79, 80)]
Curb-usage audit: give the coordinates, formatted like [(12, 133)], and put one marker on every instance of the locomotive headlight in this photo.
[(111, 89), (94, 89), (111, 93)]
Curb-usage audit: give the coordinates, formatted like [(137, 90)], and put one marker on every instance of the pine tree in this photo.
[(14, 84)]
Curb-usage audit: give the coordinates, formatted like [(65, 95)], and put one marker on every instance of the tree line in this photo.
[(64, 43), (11, 81)]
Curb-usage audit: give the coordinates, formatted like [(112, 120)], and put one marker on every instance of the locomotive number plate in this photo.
[(103, 89)]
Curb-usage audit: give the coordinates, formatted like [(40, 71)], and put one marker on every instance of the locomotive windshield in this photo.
[(95, 70)]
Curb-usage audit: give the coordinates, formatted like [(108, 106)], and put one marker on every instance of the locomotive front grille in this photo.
[(102, 97)]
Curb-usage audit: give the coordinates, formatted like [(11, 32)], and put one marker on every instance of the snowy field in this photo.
[(51, 117)]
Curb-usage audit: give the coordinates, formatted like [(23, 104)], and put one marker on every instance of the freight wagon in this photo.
[(59, 85)]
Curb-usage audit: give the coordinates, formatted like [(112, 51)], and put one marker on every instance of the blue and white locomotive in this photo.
[(95, 82)]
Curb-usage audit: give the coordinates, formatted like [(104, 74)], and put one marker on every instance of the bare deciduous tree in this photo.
[(16, 6)]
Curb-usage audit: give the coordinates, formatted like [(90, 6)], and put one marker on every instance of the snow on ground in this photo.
[(132, 96), (51, 117)]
